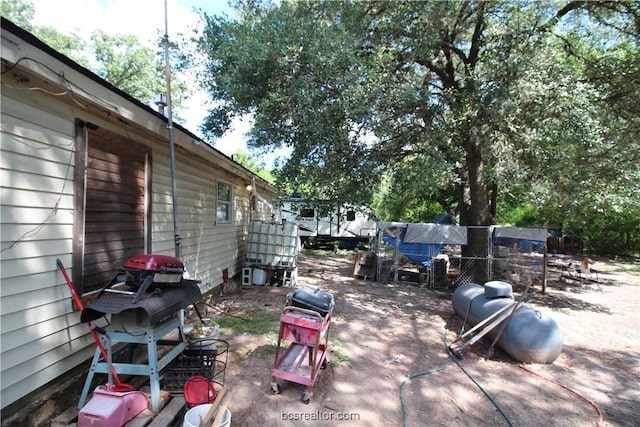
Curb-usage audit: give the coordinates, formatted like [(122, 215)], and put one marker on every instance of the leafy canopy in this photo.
[(121, 59), (436, 104)]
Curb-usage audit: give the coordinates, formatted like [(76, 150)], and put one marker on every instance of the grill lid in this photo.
[(155, 263)]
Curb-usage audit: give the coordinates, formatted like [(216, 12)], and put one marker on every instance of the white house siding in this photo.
[(265, 209), (40, 334), (207, 248)]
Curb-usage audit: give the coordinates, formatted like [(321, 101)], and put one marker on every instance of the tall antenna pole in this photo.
[(167, 75)]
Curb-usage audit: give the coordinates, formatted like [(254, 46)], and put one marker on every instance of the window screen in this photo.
[(307, 213), (223, 205)]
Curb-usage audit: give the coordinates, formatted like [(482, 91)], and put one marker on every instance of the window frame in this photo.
[(221, 202), (307, 213)]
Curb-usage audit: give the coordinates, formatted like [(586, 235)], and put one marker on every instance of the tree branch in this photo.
[(476, 39), (569, 7)]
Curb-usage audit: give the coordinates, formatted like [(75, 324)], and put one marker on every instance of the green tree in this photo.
[(19, 12), (126, 63), (470, 99), (583, 116), (70, 45), (253, 164), (120, 59)]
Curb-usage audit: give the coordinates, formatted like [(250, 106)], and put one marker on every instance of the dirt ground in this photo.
[(389, 364)]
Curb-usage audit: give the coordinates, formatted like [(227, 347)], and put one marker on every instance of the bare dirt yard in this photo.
[(389, 364)]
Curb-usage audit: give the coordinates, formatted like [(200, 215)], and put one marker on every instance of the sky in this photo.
[(144, 19)]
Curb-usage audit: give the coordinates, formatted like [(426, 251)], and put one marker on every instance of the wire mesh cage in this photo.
[(484, 257), (518, 261), (204, 358)]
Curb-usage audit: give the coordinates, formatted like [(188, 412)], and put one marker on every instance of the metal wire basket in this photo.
[(206, 358)]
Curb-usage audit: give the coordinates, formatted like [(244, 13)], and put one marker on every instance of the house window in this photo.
[(223, 211), (307, 213)]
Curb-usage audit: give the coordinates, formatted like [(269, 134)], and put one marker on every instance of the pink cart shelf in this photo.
[(307, 333)]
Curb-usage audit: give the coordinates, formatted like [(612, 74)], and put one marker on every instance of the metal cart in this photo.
[(307, 333)]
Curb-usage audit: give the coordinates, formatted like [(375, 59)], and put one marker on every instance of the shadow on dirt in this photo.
[(383, 333)]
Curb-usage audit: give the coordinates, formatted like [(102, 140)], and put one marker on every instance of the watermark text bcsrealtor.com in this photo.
[(319, 416)]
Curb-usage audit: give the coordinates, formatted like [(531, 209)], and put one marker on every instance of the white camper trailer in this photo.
[(325, 223)]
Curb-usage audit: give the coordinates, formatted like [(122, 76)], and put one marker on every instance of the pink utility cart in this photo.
[(307, 333)]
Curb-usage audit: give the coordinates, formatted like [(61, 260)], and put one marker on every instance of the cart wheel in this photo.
[(275, 388), (306, 397)]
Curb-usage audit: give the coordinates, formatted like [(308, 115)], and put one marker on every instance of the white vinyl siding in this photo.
[(207, 246), (41, 337)]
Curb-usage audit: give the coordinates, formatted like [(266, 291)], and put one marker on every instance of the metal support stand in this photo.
[(151, 337), (308, 334)]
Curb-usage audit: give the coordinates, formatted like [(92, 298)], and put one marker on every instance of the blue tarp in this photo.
[(528, 239), (525, 246), (422, 253)]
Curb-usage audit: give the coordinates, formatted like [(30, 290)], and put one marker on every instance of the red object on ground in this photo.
[(199, 391)]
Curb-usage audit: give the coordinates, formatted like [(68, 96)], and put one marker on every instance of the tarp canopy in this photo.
[(527, 239), (422, 253), (535, 234), (436, 233), (423, 241), (425, 232)]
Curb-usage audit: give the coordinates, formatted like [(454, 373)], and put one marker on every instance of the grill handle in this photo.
[(311, 313), (171, 270)]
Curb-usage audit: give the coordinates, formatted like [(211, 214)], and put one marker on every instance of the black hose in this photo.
[(452, 359)]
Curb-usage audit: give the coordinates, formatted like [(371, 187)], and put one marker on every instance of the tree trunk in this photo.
[(479, 209), (475, 255), (494, 203)]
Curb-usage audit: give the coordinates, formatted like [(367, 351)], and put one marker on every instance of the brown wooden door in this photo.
[(115, 191)]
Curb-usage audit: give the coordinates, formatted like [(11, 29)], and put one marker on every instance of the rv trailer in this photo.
[(324, 224)]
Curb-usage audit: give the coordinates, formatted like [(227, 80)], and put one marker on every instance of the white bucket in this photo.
[(259, 276), (196, 414)]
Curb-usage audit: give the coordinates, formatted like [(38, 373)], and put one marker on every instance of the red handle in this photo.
[(74, 294), (119, 386)]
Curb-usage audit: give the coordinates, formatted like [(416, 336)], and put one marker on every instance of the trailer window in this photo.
[(307, 213), (223, 203)]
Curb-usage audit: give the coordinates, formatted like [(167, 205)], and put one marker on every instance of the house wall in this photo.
[(207, 248), (40, 334)]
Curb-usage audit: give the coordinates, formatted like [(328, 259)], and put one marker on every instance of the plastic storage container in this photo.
[(111, 408)]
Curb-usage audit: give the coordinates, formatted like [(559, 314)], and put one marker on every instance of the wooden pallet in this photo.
[(170, 416)]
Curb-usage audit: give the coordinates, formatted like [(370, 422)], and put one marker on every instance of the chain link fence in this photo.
[(483, 258)]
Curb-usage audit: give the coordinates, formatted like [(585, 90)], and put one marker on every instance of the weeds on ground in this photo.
[(264, 324), (339, 351), (267, 350)]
